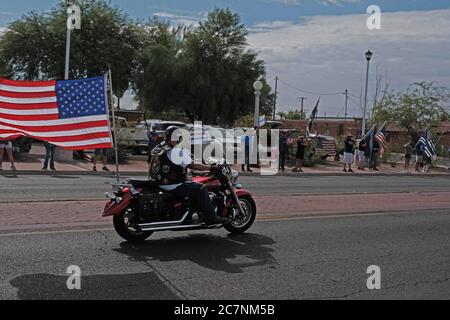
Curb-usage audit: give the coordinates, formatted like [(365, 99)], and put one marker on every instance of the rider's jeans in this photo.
[(196, 192)]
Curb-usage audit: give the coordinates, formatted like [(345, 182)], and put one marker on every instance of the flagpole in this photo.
[(114, 125)]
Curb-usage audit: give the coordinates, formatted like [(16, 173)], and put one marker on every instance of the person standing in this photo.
[(284, 149), (246, 142), (426, 163), (50, 149), (100, 153), (348, 152), (419, 157), (8, 146), (153, 139), (300, 154), (361, 154), (375, 155), (408, 155)]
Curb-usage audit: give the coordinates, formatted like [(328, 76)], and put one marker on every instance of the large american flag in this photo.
[(72, 114)]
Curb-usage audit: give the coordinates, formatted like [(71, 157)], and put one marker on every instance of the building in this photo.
[(327, 126)]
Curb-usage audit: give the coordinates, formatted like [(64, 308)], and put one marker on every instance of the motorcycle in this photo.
[(140, 207)]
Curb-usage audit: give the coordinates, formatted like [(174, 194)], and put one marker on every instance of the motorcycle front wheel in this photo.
[(243, 221), (126, 231)]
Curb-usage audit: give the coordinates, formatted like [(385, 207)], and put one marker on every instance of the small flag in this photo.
[(380, 137), (312, 118), (262, 120), (428, 145)]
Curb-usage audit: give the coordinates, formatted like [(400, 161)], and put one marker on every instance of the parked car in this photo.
[(160, 125), (132, 139)]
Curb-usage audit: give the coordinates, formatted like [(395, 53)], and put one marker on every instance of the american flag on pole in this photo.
[(380, 136), (72, 114)]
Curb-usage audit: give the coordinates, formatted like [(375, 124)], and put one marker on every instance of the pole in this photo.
[(256, 117), (66, 69), (114, 125), (302, 99), (346, 104), (365, 100), (275, 103)]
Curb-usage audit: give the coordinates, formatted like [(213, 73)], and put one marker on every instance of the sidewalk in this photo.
[(31, 164)]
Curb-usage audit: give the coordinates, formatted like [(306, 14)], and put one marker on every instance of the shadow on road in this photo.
[(138, 286), (229, 254)]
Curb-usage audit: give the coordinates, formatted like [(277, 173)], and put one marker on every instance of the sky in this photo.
[(316, 47)]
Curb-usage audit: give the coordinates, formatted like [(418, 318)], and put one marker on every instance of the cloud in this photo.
[(185, 19), (326, 53)]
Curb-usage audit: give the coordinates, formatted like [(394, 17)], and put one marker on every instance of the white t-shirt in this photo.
[(181, 157)]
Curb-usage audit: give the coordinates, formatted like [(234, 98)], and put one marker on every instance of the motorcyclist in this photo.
[(168, 167)]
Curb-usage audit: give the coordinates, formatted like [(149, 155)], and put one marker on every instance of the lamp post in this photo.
[(369, 55), (257, 85), (73, 22)]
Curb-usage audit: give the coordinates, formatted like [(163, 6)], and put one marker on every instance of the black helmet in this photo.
[(169, 132)]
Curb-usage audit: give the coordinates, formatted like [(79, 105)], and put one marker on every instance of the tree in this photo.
[(217, 72), (34, 47), (156, 80), (422, 105)]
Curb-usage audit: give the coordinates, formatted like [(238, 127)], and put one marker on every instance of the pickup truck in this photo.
[(132, 139)]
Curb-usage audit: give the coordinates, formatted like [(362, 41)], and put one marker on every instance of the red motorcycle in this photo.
[(140, 207)]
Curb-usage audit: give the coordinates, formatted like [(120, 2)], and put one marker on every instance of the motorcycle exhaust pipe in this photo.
[(164, 223), (180, 227)]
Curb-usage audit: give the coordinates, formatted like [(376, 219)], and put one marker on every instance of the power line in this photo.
[(306, 91)]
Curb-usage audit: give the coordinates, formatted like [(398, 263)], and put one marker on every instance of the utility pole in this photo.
[(302, 99), (275, 102), (346, 104)]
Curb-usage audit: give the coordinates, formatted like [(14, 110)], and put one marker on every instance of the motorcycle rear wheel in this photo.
[(240, 226), (123, 229)]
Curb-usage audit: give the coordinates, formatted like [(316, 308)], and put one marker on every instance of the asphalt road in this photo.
[(41, 188), (322, 258)]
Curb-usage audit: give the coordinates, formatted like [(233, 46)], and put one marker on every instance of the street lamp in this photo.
[(73, 22), (369, 55), (257, 85)]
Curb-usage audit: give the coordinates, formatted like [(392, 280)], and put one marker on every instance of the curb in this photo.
[(111, 174)]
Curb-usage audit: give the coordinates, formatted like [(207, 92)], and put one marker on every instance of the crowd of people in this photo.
[(359, 152), (356, 153)]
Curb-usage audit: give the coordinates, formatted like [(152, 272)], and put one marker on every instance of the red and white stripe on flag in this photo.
[(30, 108)]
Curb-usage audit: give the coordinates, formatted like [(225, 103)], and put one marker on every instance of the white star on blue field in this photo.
[(79, 98)]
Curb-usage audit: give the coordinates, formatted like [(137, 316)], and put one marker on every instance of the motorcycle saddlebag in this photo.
[(152, 204)]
